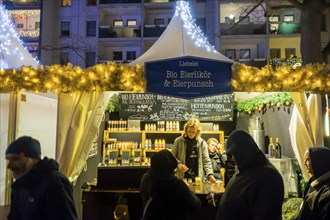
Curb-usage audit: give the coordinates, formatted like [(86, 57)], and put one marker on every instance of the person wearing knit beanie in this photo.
[(39, 190), (27, 145), (22, 155)]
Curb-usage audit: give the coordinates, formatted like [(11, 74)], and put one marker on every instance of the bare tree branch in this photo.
[(242, 18), (296, 4), (325, 5)]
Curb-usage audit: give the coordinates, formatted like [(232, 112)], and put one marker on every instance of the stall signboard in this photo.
[(150, 106), (188, 77)]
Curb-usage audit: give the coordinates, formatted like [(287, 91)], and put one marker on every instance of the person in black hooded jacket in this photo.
[(40, 191), (256, 191), (164, 195), (316, 204)]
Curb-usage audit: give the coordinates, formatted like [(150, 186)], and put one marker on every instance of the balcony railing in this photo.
[(153, 30), (242, 29), (117, 32), (131, 32)]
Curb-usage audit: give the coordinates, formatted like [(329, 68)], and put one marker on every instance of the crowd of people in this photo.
[(255, 191)]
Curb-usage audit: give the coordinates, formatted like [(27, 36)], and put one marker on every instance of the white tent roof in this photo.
[(182, 37), (12, 53)]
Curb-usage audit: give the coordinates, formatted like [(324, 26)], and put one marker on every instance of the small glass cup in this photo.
[(198, 181)]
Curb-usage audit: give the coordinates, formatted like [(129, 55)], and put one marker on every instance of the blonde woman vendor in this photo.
[(191, 151)]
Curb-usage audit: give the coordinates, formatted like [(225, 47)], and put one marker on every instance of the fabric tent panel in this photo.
[(176, 42)]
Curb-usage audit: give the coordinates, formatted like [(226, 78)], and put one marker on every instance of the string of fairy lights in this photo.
[(8, 32), (189, 23)]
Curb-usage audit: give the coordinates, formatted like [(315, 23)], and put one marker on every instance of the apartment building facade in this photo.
[(86, 32)]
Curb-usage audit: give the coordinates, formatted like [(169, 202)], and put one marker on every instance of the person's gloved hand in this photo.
[(213, 198)]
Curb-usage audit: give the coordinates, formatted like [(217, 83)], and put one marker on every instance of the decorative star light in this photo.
[(183, 10)]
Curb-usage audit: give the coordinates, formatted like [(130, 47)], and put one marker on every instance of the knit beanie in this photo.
[(27, 145)]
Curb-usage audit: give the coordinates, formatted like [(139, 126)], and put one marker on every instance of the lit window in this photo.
[(131, 22), (230, 20), (66, 3), (118, 23), (275, 18), (65, 28), (288, 18), (91, 28)]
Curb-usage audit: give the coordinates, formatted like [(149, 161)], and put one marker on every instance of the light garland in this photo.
[(65, 79), (311, 78), (29, 33), (122, 77), (25, 13), (183, 10), (8, 35), (7, 32)]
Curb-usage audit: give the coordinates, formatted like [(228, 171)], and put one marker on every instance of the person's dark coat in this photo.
[(256, 192), (316, 205), (171, 197), (216, 162), (42, 194)]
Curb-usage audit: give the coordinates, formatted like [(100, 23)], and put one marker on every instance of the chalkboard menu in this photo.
[(149, 106)]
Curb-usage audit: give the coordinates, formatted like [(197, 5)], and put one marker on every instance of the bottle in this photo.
[(271, 148), (119, 156), (131, 156), (143, 156), (278, 149), (177, 126), (156, 146)]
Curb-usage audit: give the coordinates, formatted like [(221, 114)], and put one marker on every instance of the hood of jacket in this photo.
[(320, 159), (43, 166), (243, 147)]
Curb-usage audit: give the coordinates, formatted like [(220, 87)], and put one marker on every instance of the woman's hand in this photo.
[(183, 167), (212, 179)]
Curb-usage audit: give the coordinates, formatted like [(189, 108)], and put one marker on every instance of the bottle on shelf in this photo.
[(143, 156), (156, 146), (278, 149), (119, 156), (177, 126), (271, 148), (163, 145), (131, 155)]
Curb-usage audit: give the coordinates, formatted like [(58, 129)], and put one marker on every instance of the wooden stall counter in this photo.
[(100, 203)]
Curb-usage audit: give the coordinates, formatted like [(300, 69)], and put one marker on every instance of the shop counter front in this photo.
[(100, 203)]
